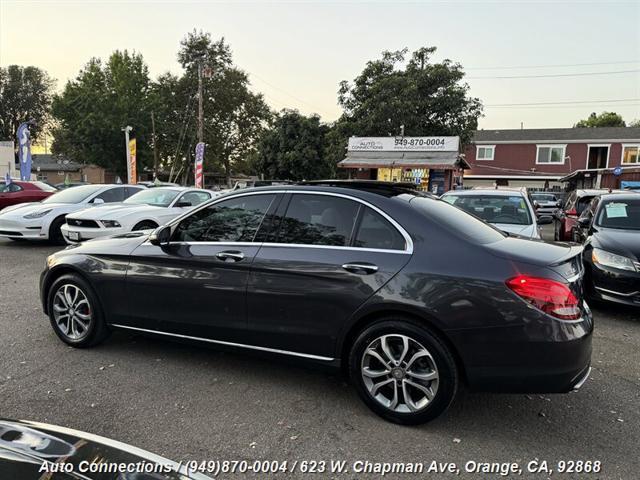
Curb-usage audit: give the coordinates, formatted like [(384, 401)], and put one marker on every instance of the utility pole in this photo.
[(155, 146), (200, 105), (126, 131)]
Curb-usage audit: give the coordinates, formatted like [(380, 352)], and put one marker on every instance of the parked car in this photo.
[(413, 296), (144, 210), (34, 450), (610, 228), (153, 184), (43, 220), (566, 218), (545, 203), (62, 185), (18, 192), (510, 210)]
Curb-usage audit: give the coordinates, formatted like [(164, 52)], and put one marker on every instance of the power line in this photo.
[(551, 66), (562, 103), (555, 75)]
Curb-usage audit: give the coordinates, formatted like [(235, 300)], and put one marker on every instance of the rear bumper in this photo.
[(505, 360)]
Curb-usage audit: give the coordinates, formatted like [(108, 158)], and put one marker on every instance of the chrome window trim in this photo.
[(230, 344), (408, 250)]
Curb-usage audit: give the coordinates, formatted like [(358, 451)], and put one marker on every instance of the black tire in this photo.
[(447, 384), (55, 234), (97, 330), (145, 225)]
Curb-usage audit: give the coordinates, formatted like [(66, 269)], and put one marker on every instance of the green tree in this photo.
[(294, 148), (25, 94), (605, 119), (93, 108), (427, 98), (234, 116)]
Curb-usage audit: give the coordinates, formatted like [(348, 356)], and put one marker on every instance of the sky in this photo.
[(297, 52)]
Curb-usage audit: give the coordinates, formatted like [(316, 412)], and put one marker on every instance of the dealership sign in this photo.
[(404, 144)]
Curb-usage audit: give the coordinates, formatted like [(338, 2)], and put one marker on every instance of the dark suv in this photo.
[(412, 296)]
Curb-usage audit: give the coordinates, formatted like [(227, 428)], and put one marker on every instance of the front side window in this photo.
[(10, 188), (630, 154), (318, 220), (503, 209), (550, 154), (375, 231), (620, 214), (485, 152), (112, 195), (233, 220)]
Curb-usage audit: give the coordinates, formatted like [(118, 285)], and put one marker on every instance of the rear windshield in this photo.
[(503, 209), (543, 197), (620, 214), (458, 221), (74, 195)]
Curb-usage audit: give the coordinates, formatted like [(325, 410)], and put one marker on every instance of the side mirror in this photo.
[(536, 205), (545, 220), (160, 236), (97, 201), (183, 204)]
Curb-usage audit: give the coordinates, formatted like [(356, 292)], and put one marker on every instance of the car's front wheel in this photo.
[(403, 372), (74, 312)]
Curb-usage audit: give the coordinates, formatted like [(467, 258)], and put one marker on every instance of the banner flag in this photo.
[(199, 164), (24, 151), (133, 170)]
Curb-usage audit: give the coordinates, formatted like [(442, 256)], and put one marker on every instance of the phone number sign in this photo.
[(404, 144)]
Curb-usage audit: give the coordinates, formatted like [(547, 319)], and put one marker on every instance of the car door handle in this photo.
[(230, 256), (365, 268)]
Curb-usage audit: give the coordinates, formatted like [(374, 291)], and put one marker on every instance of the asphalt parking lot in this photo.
[(194, 403)]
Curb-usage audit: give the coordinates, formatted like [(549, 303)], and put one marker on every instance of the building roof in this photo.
[(438, 160), (48, 163), (626, 134)]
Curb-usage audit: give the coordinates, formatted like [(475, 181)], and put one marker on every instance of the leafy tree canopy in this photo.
[(605, 119), (25, 94), (93, 108), (427, 98), (294, 148)]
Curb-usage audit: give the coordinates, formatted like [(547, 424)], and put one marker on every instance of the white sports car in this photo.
[(144, 210), (42, 220)]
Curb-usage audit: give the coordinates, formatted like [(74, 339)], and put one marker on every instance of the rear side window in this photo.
[(318, 220), (458, 221), (377, 232), (583, 203)]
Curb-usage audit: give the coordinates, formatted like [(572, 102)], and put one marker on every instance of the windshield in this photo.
[(620, 214), (74, 195), (159, 197), (503, 209), (458, 221), (544, 198)]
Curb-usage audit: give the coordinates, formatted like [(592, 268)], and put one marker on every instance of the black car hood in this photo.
[(536, 252), (122, 244), (622, 242), (26, 448)]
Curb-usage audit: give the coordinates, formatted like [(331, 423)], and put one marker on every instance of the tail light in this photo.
[(553, 298), (572, 212)]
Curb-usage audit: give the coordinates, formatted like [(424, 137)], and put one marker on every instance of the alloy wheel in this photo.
[(72, 312), (399, 373)]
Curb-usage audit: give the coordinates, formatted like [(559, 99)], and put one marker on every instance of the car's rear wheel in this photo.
[(55, 234), (75, 313), (403, 372), (145, 225)]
